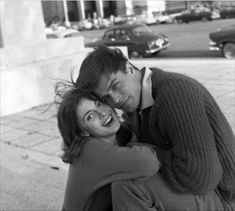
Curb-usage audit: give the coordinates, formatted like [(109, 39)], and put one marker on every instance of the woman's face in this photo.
[(97, 119)]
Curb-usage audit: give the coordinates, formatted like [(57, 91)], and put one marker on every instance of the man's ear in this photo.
[(129, 69), (85, 133)]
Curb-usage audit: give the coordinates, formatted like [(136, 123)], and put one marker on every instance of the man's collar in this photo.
[(146, 91)]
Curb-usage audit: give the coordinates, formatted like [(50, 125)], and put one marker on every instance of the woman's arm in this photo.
[(113, 163)]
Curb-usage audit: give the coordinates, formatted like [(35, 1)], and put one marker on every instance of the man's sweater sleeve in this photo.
[(192, 165)]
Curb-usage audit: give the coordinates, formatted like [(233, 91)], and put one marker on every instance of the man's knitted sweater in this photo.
[(195, 143)]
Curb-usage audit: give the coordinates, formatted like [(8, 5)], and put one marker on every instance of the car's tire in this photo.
[(134, 54), (179, 20), (204, 19), (229, 50)]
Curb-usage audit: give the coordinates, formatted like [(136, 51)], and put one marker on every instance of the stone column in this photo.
[(81, 9), (99, 8), (67, 23), (21, 22), (129, 7)]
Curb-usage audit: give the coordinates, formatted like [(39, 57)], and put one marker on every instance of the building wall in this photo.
[(29, 81), (30, 64), (116, 8), (52, 9)]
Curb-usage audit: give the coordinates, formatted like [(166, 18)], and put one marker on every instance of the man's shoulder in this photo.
[(156, 69)]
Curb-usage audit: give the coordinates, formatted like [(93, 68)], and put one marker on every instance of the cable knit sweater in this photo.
[(195, 143)]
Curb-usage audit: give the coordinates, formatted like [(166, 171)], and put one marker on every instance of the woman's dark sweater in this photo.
[(100, 164), (195, 143)]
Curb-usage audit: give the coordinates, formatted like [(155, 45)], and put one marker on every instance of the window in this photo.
[(139, 30), (109, 35), (121, 34)]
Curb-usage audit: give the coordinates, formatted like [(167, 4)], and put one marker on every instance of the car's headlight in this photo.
[(212, 42), (159, 42)]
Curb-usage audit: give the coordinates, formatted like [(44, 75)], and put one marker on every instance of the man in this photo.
[(193, 139)]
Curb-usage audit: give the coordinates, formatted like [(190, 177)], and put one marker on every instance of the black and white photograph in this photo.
[(122, 105)]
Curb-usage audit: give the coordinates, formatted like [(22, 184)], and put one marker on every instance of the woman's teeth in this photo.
[(109, 121)]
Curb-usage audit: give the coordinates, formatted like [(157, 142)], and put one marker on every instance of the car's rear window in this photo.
[(140, 30)]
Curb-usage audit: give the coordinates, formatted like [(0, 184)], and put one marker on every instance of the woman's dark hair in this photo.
[(67, 121), (102, 61)]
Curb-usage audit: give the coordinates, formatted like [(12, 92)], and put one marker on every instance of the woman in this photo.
[(91, 134)]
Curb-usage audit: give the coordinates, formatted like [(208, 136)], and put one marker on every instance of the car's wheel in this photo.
[(204, 19), (229, 50), (134, 54), (179, 21)]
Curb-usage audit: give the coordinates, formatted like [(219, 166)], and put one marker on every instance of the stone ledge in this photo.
[(44, 50)]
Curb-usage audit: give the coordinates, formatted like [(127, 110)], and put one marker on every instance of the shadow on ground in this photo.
[(190, 54)]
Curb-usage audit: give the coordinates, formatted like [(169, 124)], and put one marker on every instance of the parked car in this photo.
[(223, 40), (149, 20), (227, 12), (50, 34), (138, 38), (162, 17), (194, 15)]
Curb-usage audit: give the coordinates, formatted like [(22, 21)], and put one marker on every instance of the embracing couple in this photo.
[(171, 149)]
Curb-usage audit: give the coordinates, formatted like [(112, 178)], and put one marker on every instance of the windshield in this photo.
[(140, 30)]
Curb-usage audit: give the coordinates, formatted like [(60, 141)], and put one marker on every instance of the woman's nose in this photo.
[(101, 113)]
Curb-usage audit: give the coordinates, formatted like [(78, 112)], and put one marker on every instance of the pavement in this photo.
[(32, 175)]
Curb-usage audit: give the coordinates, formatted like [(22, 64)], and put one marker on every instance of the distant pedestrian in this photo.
[(194, 141)]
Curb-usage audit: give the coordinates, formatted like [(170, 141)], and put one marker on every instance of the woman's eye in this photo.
[(89, 117)]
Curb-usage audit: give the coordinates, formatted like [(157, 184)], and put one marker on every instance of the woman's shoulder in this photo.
[(95, 146)]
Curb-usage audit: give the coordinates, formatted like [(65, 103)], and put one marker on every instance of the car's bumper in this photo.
[(213, 46), (155, 50)]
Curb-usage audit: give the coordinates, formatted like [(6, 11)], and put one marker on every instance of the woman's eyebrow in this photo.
[(86, 114)]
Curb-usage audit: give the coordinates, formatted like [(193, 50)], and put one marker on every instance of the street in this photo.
[(186, 40)]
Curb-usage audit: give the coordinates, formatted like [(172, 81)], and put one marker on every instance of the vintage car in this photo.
[(64, 33), (228, 12), (138, 38), (223, 40), (194, 15)]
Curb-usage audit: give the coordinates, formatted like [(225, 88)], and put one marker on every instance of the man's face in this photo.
[(121, 90)]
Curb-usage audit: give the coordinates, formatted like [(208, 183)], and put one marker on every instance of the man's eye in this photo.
[(99, 103), (115, 86), (90, 116), (104, 99)]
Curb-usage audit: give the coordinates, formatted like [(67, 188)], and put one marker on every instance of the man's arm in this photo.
[(192, 165)]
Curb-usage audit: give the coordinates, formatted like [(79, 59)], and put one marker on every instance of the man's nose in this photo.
[(116, 98)]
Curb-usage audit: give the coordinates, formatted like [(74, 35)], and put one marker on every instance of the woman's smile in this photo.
[(109, 121)]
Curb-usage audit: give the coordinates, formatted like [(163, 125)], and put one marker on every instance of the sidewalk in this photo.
[(33, 177)]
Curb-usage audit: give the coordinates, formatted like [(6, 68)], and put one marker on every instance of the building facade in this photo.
[(77, 10)]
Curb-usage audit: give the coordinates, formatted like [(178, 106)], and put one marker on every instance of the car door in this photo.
[(194, 15), (109, 38)]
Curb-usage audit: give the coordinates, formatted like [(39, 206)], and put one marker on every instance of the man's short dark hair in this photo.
[(102, 61)]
